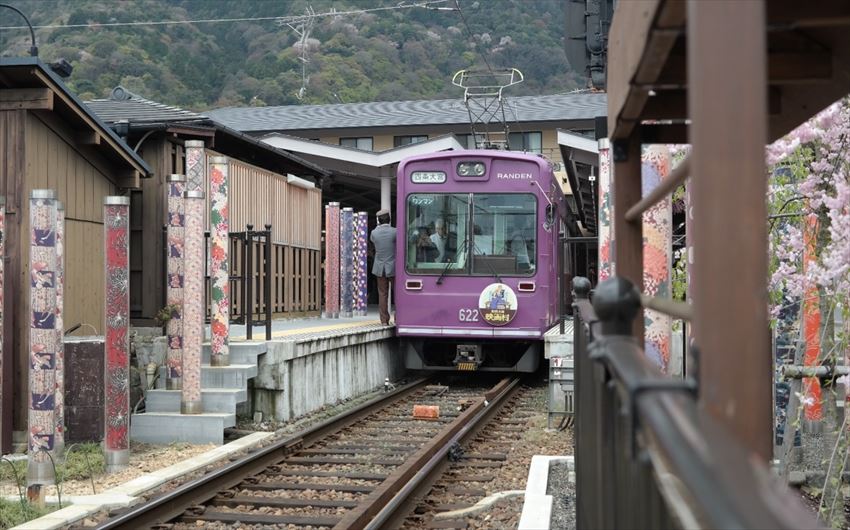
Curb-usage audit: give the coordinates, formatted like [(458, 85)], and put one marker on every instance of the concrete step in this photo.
[(233, 376), (213, 400), (239, 352), (170, 427)]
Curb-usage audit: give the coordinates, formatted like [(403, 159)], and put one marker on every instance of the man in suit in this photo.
[(383, 237)]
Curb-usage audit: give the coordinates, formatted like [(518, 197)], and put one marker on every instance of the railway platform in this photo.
[(309, 363)]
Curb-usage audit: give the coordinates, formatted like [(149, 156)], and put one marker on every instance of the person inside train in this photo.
[(439, 238), (519, 246), (426, 251)]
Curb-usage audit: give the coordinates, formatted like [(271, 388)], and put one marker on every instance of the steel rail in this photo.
[(385, 494), (174, 503), (494, 399)]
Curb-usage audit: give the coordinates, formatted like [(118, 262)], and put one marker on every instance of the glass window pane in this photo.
[(504, 234), (364, 144), (534, 142), (348, 142), (436, 231)]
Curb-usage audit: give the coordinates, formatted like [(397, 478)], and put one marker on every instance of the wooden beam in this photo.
[(628, 243), (728, 80), (663, 133), (795, 14), (26, 99), (128, 179), (87, 138)]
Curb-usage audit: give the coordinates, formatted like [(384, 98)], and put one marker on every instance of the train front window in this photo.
[(436, 230), (504, 234)]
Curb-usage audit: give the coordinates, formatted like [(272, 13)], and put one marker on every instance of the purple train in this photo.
[(477, 259)]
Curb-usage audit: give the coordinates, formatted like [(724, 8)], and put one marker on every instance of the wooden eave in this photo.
[(39, 91), (808, 65)]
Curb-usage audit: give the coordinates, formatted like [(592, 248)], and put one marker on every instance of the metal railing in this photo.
[(647, 456)]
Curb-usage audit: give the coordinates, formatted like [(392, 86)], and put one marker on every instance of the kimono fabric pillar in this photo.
[(44, 341), (346, 265), (174, 292), (657, 235), (59, 440), (332, 260), (812, 407), (363, 270), (116, 250), (219, 263), (606, 226), (193, 286), (355, 264)]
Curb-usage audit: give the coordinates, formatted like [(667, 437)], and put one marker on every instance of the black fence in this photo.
[(646, 454), (250, 269)]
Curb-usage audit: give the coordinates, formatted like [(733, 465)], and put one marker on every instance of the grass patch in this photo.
[(13, 513), (81, 462)]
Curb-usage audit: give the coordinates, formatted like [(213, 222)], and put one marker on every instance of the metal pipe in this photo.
[(791, 371), (33, 48), (665, 188)]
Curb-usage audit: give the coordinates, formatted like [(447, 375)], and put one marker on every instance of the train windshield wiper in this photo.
[(489, 266), (452, 261)]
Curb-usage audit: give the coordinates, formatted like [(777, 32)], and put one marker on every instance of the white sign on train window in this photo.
[(428, 177)]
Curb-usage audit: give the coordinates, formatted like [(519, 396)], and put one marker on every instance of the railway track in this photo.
[(352, 471)]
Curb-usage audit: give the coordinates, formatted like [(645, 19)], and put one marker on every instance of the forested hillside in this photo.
[(382, 55)]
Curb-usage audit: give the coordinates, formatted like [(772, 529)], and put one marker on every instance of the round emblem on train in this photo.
[(497, 304)]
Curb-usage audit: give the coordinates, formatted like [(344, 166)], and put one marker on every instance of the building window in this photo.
[(399, 141), (364, 143), (466, 140), (531, 142)]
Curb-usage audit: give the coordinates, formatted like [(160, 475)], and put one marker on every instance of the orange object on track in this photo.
[(426, 412)]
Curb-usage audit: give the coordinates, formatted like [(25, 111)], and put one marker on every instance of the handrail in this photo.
[(665, 187), (647, 455), (668, 306)]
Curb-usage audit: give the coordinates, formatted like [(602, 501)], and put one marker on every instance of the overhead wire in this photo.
[(281, 19)]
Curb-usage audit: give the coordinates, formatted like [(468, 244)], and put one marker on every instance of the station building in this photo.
[(362, 143)]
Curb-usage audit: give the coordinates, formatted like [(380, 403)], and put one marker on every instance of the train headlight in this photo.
[(471, 169)]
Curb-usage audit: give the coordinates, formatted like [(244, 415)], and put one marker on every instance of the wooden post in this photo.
[(220, 264), (193, 286), (628, 245), (43, 341), (116, 251), (174, 291), (3, 346), (727, 102)]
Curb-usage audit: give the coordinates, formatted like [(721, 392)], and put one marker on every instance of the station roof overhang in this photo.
[(26, 83), (358, 171), (581, 160), (808, 66)]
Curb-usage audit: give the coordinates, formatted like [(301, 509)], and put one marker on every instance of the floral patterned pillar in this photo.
[(176, 186), (657, 237), (812, 407), (116, 250), (346, 265), (363, 270), (193, 277), (43, 338), (59, 439), (332, 260), (605, 224), (219, 263)]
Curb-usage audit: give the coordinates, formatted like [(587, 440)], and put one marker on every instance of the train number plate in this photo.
[(468, 315), (467, 366)]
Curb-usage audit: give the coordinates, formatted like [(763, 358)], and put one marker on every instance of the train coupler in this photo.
[(468, 357)]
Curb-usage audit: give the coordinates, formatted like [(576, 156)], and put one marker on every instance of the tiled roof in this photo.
[(124, 105), (563, 107)]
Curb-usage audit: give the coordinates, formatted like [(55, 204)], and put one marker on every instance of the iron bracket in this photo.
[(687, 385)]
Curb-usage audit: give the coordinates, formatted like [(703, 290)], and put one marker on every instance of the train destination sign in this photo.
[(428, 177), (497, 304)]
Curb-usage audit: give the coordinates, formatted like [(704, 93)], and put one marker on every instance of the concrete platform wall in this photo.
[(299, 376)]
